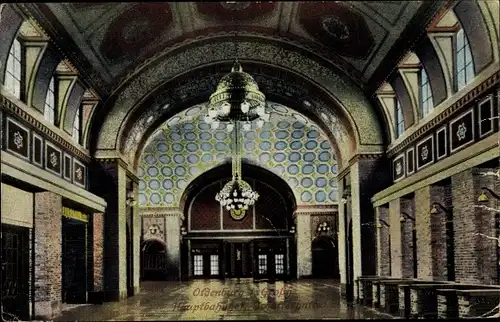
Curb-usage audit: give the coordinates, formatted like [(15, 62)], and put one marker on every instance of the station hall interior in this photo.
[(260, 159)]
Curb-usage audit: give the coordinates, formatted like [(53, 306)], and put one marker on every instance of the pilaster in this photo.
[(395, 237), (365, 178), (48, 254), (303, 242), (98, 251), (108, 179), (173, 221)]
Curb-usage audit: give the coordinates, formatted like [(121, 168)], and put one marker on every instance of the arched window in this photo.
[(13, 71), (50, 103), (400, 124), (76, 126), (464, 66), (426, 102)]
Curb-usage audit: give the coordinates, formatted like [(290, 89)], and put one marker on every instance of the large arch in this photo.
[(277, 85), (346, 99), (249, 170)]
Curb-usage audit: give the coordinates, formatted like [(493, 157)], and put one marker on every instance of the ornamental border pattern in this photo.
[(443, 116), (355, 103), (12, 107)]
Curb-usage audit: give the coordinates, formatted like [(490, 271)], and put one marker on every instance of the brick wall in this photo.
[(395, 237), (475, 256), (431, 233), (407, 205), (383, 244), (48, 254), (98, 250)]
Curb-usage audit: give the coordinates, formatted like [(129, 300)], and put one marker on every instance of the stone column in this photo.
[(395, 237), (342, 238), (98, 251), (304, 249), (173, 221), (366, 177), (48, 255), (136, 241), (108, 179)]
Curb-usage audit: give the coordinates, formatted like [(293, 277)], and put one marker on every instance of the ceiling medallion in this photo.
[(237, 100), (335, 28)]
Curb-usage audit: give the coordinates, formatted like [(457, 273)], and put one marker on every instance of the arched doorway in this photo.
[(324, 258), (154, 258)]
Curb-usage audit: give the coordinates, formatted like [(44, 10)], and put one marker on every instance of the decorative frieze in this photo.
[(53, 157), (42, 129), (425, 152), (462, 131), (18, 139), (37, 150), (466, 99), (25, 143), (79, 173), (67, 167), (472, 125)]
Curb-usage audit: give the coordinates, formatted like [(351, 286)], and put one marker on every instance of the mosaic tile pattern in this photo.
[(289, 146)]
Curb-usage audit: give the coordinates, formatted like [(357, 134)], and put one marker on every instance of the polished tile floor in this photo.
[(232, 299)]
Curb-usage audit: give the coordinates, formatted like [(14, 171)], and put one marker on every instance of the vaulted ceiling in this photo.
[(111, 40), (290, 145)]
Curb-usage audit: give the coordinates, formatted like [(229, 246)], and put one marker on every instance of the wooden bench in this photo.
[(364, 285), (476, 302), (423, 299), (376, 294), (448, 307), (404, 296)]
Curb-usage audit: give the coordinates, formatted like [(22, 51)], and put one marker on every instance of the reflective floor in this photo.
[(232, 299)]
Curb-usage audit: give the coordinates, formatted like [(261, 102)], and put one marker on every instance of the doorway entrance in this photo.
[(74, 253), (15, 270), (154, 258), (324, 258)]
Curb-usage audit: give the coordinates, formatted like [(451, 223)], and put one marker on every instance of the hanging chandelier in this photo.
[(237, 102), (237, 99)]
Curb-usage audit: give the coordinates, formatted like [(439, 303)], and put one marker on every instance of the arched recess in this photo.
[(278, 204), (429, 59), (478, 33), (346, 98), (404, 98), (289, 145), (153, 260), (325, 254), (48, 60), (10, 21)]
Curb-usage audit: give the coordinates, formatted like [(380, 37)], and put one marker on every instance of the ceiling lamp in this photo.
[(237, 99), (237, 102)]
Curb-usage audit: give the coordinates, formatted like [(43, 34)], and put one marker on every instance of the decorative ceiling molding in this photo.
[(197, 90), (355, 106), (83, 28)]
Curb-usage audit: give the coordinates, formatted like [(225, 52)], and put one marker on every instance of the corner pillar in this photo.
[(108, 178), (365, 177), (173, 222), (303, 242)]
